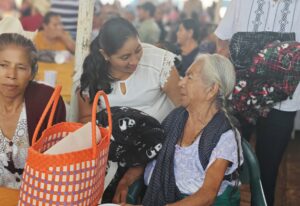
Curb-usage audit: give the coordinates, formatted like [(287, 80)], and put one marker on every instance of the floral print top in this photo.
[(13, 154)]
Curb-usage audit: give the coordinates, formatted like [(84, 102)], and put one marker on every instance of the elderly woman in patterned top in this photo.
[(22, 101), (200, 154)]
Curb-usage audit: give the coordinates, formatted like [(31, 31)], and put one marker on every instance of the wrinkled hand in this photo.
[(131, 175), (121, 192)]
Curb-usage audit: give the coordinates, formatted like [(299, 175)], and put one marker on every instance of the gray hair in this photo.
[(218, 70)]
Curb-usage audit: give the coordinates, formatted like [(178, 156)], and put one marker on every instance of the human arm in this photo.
[(226, 29), (223, 161), (171, 87), (85, 108), (131, 175), (68, 41), (207, 193), (223, 47)]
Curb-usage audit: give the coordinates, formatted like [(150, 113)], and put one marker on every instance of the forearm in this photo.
[(201, 198), (132, 174), (223, 47)]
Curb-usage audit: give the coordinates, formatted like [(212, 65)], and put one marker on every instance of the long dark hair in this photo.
[(111, 38), (7, 39)]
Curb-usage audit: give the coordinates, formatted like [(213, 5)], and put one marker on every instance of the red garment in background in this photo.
[(32, 22)]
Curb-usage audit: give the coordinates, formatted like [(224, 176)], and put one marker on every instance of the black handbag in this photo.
[(244, 45)]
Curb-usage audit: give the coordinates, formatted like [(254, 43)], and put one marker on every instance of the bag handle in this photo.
[(52, 104), (94, 112)]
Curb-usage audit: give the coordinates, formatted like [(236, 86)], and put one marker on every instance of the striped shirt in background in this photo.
[(68, 10)]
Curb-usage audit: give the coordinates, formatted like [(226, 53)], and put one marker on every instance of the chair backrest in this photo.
[(250, 174)]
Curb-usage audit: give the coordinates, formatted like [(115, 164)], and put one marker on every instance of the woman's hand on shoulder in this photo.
[(171, 87)]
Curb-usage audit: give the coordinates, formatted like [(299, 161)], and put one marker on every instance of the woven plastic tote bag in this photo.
[(74, 178)]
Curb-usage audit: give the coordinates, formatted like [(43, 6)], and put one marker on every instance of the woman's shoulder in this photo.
[(38, 88), (154, 57)]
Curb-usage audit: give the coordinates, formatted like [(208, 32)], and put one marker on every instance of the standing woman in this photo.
[(133, 74), (22, 101)]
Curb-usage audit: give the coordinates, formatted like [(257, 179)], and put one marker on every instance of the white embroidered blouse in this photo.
[(13, 154), (144, 87)]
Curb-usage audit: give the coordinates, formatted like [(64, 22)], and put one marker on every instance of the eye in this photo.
[(124, 58), (3, 65), (22, 68)]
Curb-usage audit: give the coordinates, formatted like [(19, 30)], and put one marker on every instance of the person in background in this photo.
[(133, 74), (148, 29), (53, 37), (187, 38), (68, 11), (34, 20), (192, 6), (273, 132), (159, 14), (202, 151), (22, 101)]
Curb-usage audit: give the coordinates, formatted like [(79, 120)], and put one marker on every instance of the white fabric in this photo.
[(263, 15), (189, 173), (14, 153), (144, 87)]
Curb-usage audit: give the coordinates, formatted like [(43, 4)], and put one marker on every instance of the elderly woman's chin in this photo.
[(184, 102), (10, 91)]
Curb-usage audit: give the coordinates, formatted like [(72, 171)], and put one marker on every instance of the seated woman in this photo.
[(22, 102), (199, 159)]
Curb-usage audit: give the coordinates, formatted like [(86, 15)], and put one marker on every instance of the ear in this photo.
[(106, 57), (212, 91)]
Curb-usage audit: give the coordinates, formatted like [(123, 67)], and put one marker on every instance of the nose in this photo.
[(134, 60), (182, 82), (11, 73)]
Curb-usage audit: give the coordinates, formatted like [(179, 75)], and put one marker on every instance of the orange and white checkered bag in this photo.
[(75, 178)]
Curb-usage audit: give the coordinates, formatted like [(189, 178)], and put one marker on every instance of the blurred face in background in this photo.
[(53, 27), (183, 35), (159, 14), (142, 14)]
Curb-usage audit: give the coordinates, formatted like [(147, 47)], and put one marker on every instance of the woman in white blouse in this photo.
[(133, 74)]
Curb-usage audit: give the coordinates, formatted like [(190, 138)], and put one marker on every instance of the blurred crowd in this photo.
[(156, 23)]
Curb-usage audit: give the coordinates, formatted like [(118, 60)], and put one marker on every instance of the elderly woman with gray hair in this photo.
[(199, 161)]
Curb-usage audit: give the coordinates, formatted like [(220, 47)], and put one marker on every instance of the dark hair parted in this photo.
[(112, 36), (194, 25), (7, 39), (48, 16)]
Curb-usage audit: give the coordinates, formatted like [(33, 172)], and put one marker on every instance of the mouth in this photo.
[(9, 86), (133, 67)]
